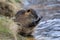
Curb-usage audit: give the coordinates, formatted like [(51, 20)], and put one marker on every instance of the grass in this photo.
[(17, 0), (3, 25), (5, 33)]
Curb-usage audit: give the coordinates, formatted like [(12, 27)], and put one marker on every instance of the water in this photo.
[(48, 30)]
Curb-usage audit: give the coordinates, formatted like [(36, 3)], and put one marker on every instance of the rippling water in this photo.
[(48, 30)]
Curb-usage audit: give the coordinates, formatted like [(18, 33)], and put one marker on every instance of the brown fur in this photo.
[(27, 20)]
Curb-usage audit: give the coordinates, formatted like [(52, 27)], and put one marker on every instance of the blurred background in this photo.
[(49, 9)]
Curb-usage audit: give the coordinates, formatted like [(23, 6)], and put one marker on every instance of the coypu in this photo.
[(27, 20)]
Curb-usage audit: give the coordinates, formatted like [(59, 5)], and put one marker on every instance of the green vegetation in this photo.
[(4, 30), (3, 24), (17, 0)]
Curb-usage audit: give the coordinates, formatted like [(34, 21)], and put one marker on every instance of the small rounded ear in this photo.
[(19, 13), (33, 12), (29, 10)]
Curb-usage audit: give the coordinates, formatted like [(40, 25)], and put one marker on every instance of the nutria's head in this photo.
[(27, 20)]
